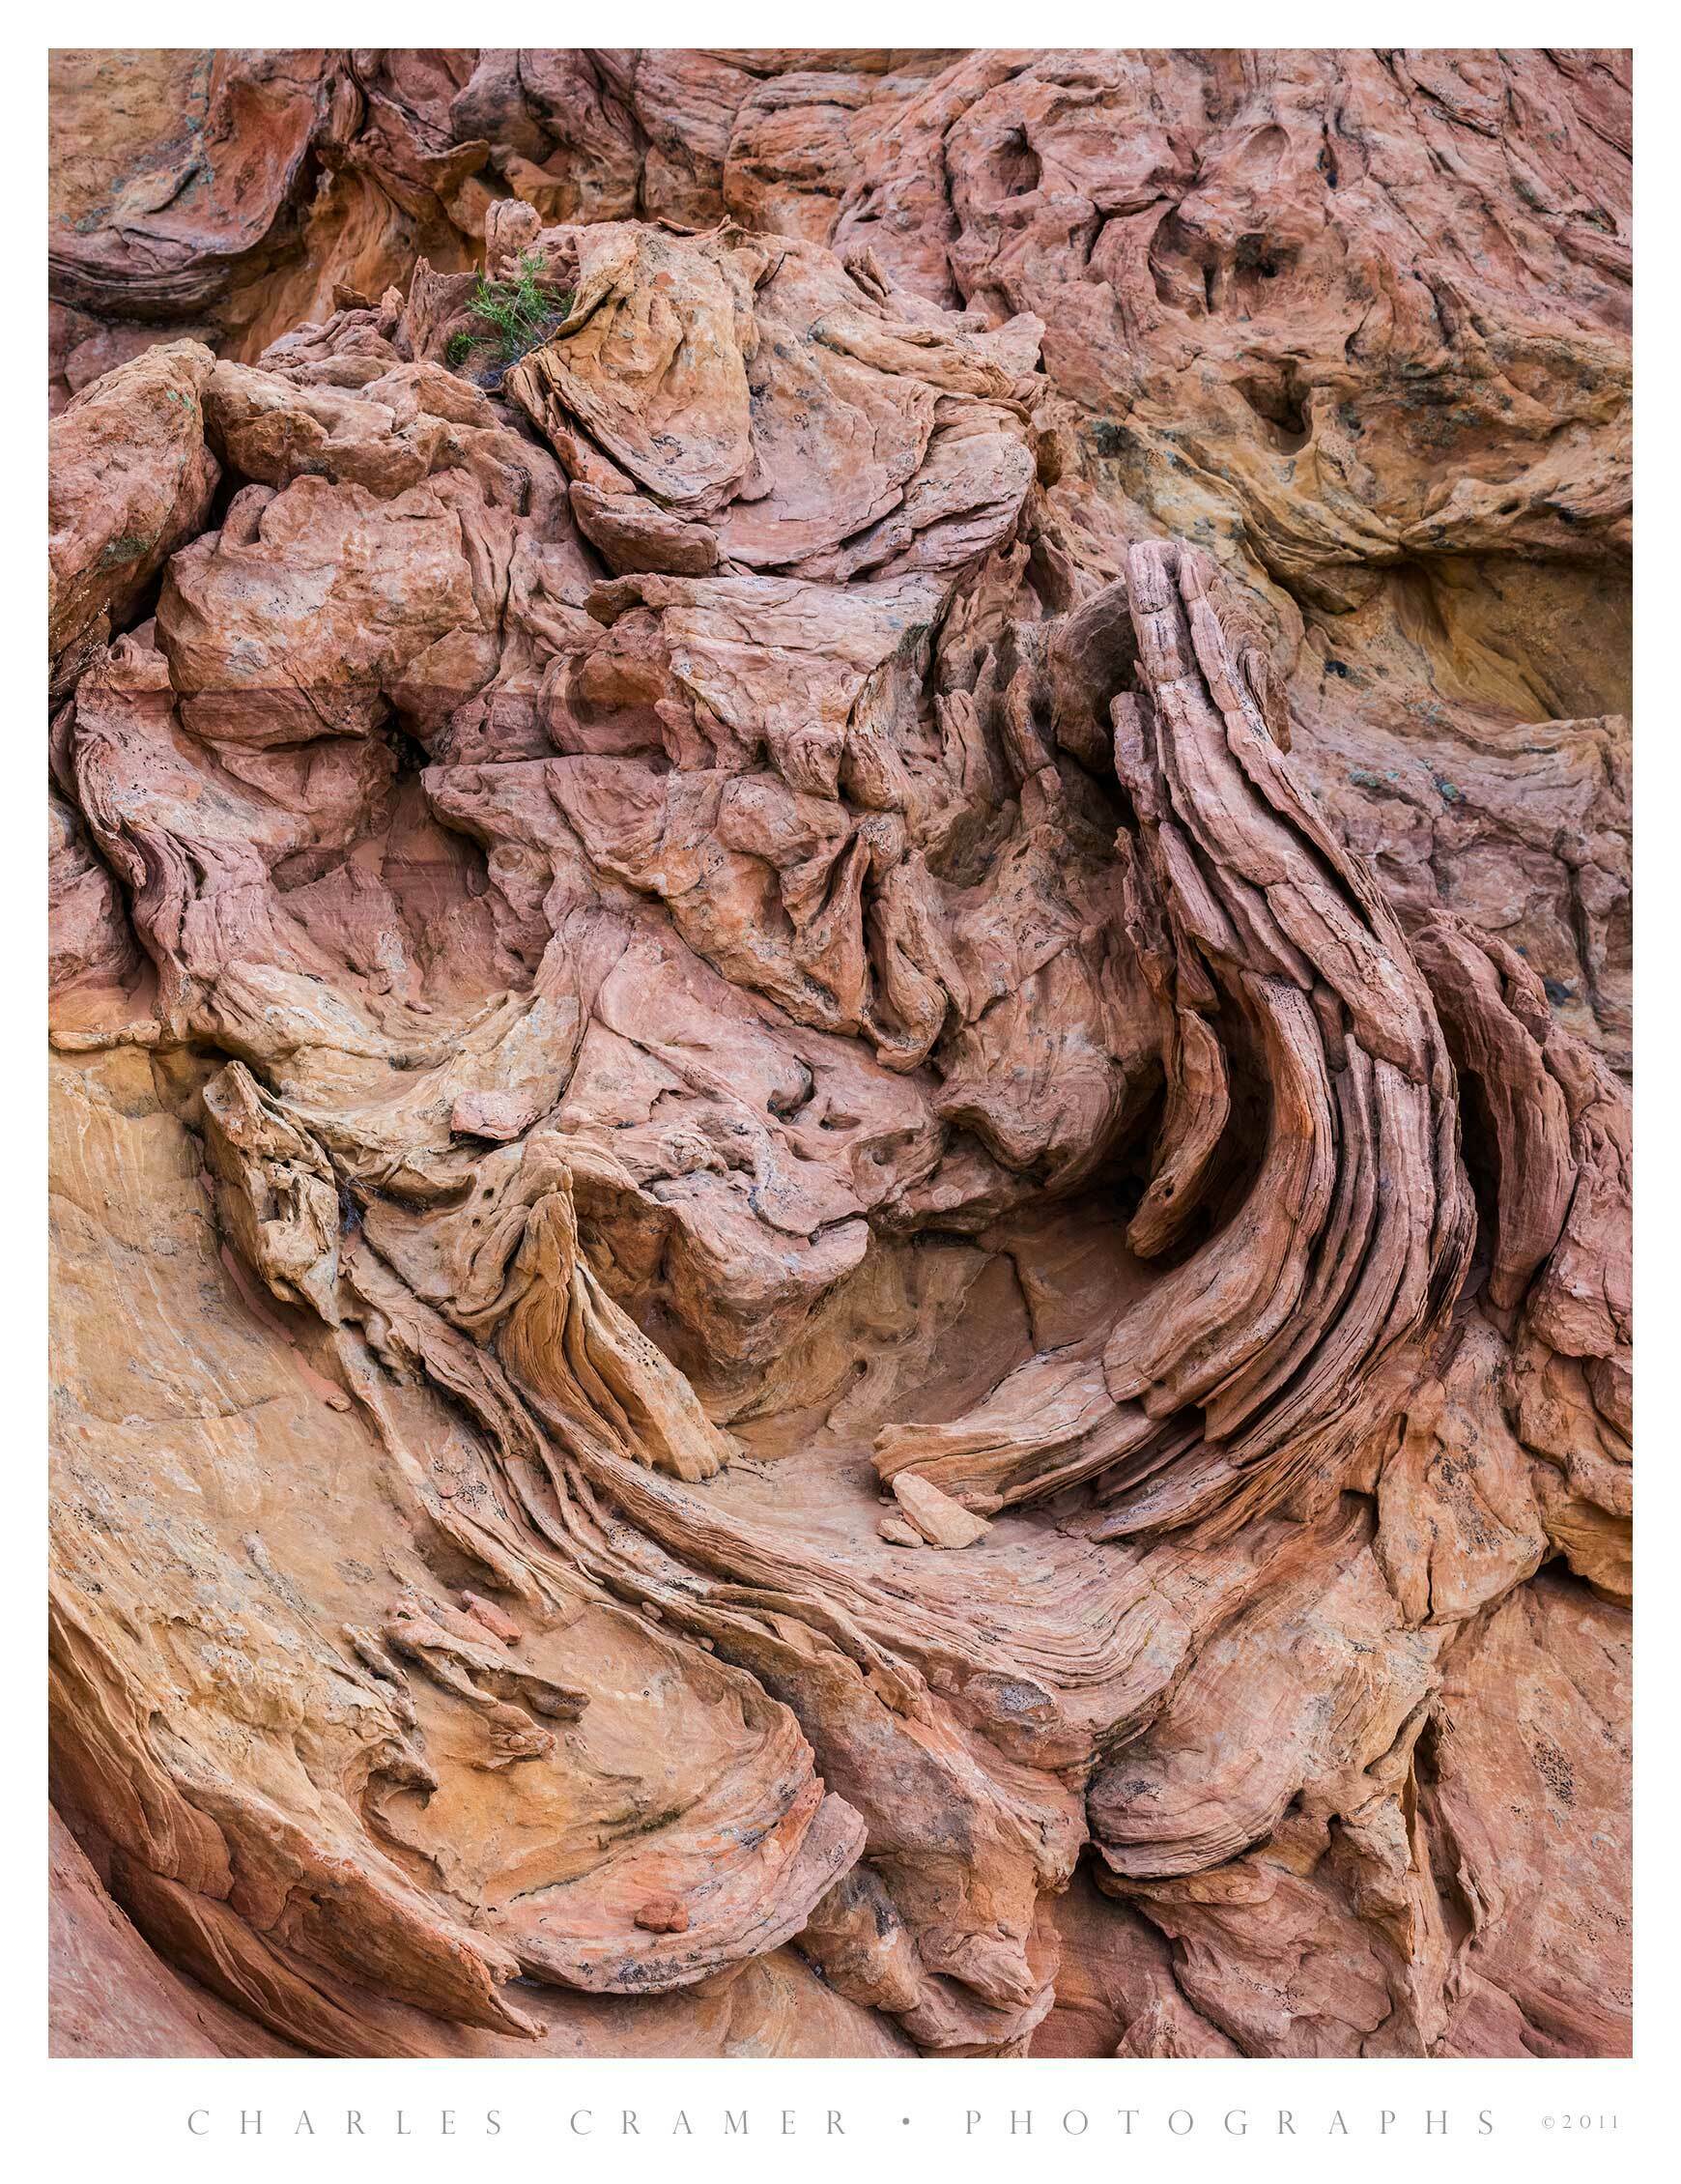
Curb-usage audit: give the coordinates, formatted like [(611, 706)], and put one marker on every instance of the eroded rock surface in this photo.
[(841, 1179)]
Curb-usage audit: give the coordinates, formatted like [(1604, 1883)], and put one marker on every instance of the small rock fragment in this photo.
[(498, 1624), (941, 1521)]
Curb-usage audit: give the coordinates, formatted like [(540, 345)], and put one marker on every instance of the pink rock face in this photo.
[(842, 1193), (132, 481)]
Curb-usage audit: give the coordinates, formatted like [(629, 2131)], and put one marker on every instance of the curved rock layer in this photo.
[(840, 1184)]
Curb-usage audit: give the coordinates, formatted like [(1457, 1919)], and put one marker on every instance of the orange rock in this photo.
[(498, 1624), (941, 1521), (663, 1915)]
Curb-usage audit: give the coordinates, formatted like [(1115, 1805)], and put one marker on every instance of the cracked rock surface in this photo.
[(840, 1149)]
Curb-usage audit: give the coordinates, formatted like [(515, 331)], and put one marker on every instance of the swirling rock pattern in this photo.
[(840, 1178)]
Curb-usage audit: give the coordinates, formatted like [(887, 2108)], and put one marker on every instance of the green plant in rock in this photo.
[(517, 311)]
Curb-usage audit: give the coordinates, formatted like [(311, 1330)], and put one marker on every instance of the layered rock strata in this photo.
[(811, 1295)]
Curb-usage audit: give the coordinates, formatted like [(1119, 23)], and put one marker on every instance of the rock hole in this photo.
[(1016, 167), (1279, 400)]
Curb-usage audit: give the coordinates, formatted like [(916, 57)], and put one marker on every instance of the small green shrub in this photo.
[(457, 349), (517, 311)]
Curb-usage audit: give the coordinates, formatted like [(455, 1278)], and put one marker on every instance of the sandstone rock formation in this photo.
[(842, 1171)]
